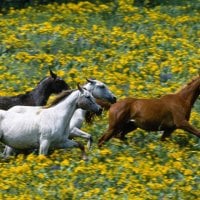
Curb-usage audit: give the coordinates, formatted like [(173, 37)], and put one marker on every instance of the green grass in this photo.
[(130, 49)]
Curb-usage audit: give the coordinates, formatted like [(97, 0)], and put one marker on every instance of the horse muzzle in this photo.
[(113, 100), (99, 111)]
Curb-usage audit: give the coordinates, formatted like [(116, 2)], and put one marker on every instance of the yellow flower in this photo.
[(65, 162)]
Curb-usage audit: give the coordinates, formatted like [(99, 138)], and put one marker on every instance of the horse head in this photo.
[(100, 91), (57, 83), (87, 102)]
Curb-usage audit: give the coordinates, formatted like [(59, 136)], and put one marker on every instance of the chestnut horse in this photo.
[(168, 113)]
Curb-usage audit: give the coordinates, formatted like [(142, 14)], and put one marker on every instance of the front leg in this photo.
[(166, 134), (44, 146), (128, 127), (186, 126), (70, 144), (76, 132)]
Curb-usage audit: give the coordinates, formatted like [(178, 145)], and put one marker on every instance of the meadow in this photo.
[(136, 51)]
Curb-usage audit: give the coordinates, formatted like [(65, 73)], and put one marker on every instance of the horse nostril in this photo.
[(100, 111), (114, 100)]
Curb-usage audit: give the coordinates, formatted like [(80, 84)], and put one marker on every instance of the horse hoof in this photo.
[(124, 139), (99, 145), (85, 158), (89, 144)]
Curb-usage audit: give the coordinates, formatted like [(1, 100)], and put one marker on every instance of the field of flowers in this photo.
[(136, 51)]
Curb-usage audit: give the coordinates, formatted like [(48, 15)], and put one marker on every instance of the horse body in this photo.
[(27, 127), (170, 112), (99, 91), (21, 119), (38, 96)]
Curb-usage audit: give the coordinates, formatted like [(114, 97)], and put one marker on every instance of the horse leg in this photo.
[(44, 146), (166, 134), (8, 151), (118, 117), (128, 127), (76, 132), (186, 126), (108, 135), (70, 144)]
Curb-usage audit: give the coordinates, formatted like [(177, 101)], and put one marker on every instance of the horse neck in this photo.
[(89, 87), (67, 107), (190, 93), (42, 92)]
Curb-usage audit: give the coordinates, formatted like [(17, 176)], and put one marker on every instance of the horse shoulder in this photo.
[(121, 109)]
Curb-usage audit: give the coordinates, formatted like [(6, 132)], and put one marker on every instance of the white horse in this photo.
[(99, 91), (33, 127)]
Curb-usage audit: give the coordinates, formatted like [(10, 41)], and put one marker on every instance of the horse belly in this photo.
[(20, 143), (148, 125), (19, 133), (155, 124)]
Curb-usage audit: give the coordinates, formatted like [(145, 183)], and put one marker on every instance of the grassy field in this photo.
[(136, 51)]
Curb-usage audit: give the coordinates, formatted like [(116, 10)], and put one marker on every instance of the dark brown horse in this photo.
[(39, 96), (168, 113)]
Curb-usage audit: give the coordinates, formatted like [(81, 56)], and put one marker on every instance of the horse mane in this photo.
[(30, 91), (59, 98), (89, 117)]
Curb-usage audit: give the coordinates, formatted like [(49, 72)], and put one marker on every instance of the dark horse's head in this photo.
[(57, 83)]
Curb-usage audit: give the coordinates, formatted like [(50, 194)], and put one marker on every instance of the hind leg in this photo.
[(128, 127), (166, 134), (71, 144), (108, 135), (8, 151)]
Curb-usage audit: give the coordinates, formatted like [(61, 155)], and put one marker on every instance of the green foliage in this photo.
[(137, 51)]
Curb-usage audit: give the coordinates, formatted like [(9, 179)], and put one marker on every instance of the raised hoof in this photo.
[(85, 158), (89, 143), (121, 137)]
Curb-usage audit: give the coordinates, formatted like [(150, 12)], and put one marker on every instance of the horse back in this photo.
[(7, 102), (140, 109)]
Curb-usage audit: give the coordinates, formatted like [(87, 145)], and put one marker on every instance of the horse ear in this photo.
[(90, 80), (53, 75), (80, 88)]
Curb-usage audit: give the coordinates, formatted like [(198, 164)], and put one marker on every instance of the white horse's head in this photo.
[(99, 90), (87, 102)]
